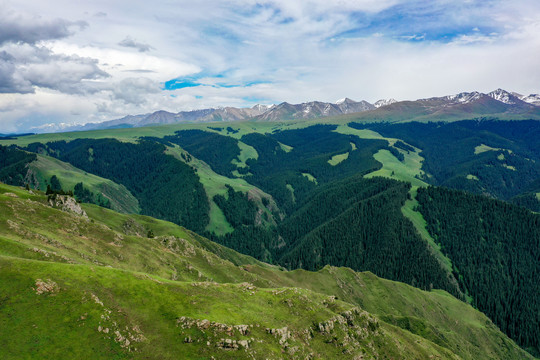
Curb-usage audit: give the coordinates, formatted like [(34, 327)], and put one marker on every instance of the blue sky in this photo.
[(65, 62)]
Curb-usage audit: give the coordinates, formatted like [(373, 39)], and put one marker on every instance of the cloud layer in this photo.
[(63, 62)]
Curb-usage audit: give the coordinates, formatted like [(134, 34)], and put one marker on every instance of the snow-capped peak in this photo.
[(262, 108), (384, 102), (344, 100), (51, 127), (465, 97), (503, 96), (531, 99)]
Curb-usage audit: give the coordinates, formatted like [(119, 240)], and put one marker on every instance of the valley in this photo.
[(96, 285), (305, 194), (268, 180)]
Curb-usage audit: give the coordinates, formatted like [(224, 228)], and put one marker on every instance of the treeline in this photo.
[(238, 209), (13, 165), (277, 171), (83, 194), (165, 187), (450, 157), (358, 223), (250, 236), (495, 249), (216, 150), (396, 153)]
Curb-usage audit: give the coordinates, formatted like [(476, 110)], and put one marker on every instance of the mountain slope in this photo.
[(98, 287), (295, 164), (44, 167)]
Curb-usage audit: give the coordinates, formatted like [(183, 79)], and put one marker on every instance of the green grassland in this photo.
[(310, 177), (285, 148), (99, 287), (483, 148), (215, 184), (336, 159), (246, 152), (132, 134), (45, 167)]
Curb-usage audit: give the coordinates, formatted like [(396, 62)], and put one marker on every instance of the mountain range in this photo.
[(466, 104), (447, 206)]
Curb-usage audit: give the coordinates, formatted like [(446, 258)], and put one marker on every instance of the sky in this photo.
[(65, 62)]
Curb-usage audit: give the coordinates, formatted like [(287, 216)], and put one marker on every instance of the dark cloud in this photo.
[(24, 67), (10, 80), (134, 90), (130, 42), (19, 29)]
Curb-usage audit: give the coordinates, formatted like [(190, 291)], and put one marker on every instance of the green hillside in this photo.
[(41, 170), (108, 285), (299, 194)]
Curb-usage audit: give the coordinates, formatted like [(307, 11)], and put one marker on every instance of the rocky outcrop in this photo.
[(131, 227), (68, 204), (46, 287)]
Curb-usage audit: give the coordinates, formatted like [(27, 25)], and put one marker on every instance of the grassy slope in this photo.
[(212, 182), (120, 197), (138, 288), (408, 170), (336, 159), (246, 152), (215, 184), (132, 134), (483, 148)]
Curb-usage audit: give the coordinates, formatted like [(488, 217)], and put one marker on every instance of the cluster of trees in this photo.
[(276, 171), (216, 150), (396, 153), (238, 209), (166, 188), (79, 192), (82, 194), (495, 250), (13, 165), (358, 223), (401, 145)]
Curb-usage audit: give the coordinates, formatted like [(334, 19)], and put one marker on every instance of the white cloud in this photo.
[(273, 50)]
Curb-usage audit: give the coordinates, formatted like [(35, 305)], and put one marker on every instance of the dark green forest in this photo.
[(82, 194), (495, 250), (343, 219), (13, 165), (449, 152), (165, 187), (312, 147), (216, 150), (358, 223)]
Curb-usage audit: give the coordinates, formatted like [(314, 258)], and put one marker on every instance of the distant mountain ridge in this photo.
[(466, 103)]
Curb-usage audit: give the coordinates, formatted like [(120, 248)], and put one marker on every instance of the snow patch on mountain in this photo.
[(465, 97), (533, 99), (503, 96), (384, 102)]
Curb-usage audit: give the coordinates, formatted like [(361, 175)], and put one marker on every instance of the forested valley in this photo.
[(321, 209)]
